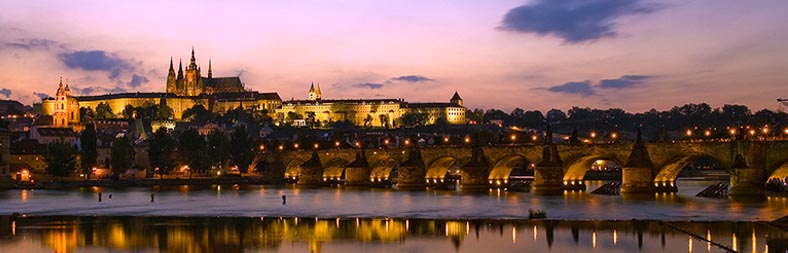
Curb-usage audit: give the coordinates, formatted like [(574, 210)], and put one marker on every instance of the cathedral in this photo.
[(183, 91), (192, 83)]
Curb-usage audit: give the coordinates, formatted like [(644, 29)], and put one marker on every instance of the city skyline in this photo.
[(635, 55)]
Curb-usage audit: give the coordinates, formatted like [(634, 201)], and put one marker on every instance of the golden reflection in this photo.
[(535, 232), (198, 235), (24, 195), (514, 234), (733, 241), (615, 237), (13, 228), (708, 237)]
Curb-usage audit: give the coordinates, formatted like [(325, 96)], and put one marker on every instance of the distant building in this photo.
[(366, 112)]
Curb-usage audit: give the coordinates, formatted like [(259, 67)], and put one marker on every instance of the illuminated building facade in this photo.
[(187, 88), (367, 112), (184, 90)]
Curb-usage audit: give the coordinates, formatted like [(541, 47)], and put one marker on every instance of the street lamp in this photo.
[(336, 144), (295, 146), (707, 133), (689, 132), (513, 137), (534, 137), (407, 142), (281, 147), (614, 135), (593, 135), (316, 146)]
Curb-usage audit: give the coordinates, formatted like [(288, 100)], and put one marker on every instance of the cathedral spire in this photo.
[(171, 69), (193, 63), (180, 69), (210, 74)]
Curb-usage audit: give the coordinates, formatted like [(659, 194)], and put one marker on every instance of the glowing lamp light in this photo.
[(765, 130), (752, 131), (316, 146), (407, 142), (386, 141), (358, 144), (467, 139), (336, 143), (533, 137), (707, 133), (689, 132), (262, 147), (295, 145), (613, 135), (593, 134), (733, 131), (513, 137), (281, 147), (446, 139)]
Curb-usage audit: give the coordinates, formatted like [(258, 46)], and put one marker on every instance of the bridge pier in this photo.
[(357, 173), (549, 173), (475, 172), (745, 181), (412, 172), (637, 175), (311, 171)]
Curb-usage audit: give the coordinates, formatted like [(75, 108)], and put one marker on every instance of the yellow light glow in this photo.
[(613, 135), (262, 147), (707, 133), (295, 145), (467, 139), (593, 135), (689, 132), (281, 147), (336, 143), (407, 142), (316, 146), (534, 137), (752, 131)]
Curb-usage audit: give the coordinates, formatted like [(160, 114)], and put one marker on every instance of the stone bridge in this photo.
[(644, 164)]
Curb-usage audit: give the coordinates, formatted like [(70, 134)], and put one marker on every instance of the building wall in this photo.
[(34, 162), (338, 111), (5, 153)]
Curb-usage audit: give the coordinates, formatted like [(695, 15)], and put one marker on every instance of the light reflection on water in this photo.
[(247, 234), (247, 201)]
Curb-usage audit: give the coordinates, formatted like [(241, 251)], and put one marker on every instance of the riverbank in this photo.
[(144, 182)]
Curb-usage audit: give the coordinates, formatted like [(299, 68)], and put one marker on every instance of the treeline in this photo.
[(699, 117)]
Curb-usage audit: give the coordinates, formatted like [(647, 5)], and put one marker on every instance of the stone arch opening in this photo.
[(690, 166), (443, 173), (334, 169), (778, 180), (383, 170), (576, 170), (510, 165), (293, 169)]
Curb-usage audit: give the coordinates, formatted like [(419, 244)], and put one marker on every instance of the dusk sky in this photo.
[(543, 54)]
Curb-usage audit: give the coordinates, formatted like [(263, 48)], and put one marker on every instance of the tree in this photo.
[(218, 148), (160, 150), (103, 111), (60, 158), (88, 154), (121, 155), (192, 151), (412, 119), (197, 113), (241, 148), (128, 112), (86, 112)]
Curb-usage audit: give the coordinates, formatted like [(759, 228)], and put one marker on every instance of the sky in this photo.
[(536, 55)]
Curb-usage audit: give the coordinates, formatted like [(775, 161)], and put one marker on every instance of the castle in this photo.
[(188, 88)]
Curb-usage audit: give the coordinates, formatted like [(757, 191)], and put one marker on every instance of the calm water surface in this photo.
[(246, 234), (257, 201)]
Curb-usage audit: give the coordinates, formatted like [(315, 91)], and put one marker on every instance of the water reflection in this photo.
[(192, 234)]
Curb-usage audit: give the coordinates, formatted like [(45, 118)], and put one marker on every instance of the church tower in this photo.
[(456, 99), (171, 81), (63, 113), (192, 82), (314, 94)]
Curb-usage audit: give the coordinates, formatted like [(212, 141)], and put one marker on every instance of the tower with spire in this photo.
[(171, 80), (66, 109), (315, 94)]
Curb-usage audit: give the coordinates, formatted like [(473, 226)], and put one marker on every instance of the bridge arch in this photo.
[(780, 172), (575, 170), (670, 171), (293, 168), (504, 166), (382, 169), (333, 169), (438, 168)]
